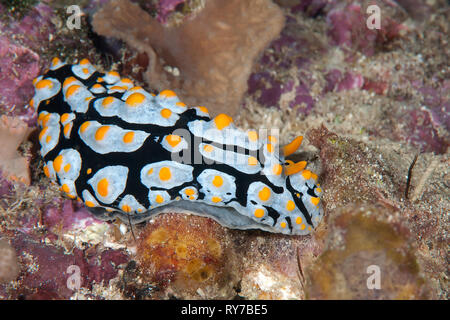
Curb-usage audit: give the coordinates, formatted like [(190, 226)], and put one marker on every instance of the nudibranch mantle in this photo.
[(132, 154)]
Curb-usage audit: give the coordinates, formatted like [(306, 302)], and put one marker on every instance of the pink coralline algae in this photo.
[(166, 7), (68, 217), (27, 42), (19, 66), (336, 81), (379, 87), (437, 101), (46, 269), (298, 50), (426, 124), (348, 29), (5, 185), (268, 90), (33, 29), (20, 41), (326, 51), (422, 132)]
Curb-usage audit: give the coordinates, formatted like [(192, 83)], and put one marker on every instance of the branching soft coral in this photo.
[(214, 51), (12, 133)]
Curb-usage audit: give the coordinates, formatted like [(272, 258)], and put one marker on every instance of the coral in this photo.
[(12, 133), (190, 253), (213, 52), (360, 238), (9, 267)]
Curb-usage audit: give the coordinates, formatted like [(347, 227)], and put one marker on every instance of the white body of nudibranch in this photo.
[(132, 154)]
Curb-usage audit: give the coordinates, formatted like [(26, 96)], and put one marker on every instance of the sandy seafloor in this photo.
[(373, 107)]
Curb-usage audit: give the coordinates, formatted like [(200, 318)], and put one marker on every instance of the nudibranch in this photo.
[(132, 154)]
